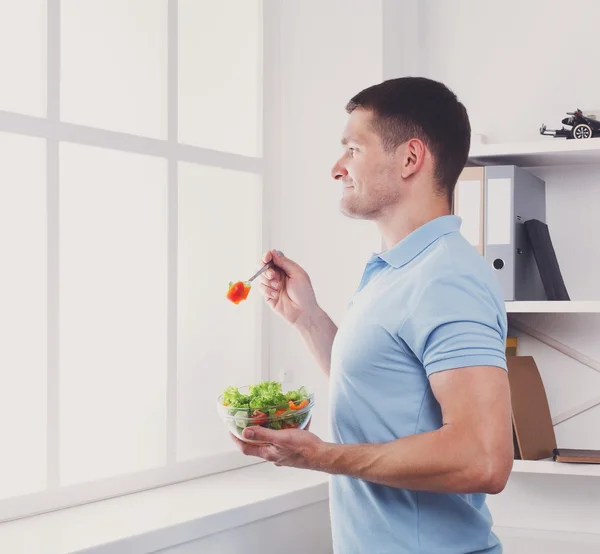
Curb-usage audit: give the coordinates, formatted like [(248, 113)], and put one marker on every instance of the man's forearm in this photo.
[(318, 332), (438, 461)]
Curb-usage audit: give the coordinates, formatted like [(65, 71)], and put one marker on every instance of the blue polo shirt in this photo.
[(431, 303)]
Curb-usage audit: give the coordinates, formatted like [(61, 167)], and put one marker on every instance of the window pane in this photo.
[(113, 312), (218, 342), (220, 75), (23, 317), (23, 56), (114, 65)]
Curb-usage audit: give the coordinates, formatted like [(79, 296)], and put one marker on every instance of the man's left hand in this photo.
[(287, 447)]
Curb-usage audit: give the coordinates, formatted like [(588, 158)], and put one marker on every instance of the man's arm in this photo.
[(457, 320), (472, 452), (318, 331)]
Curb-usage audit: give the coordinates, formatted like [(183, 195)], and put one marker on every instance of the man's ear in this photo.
[(412, 157)]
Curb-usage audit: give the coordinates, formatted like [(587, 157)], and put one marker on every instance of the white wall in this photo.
[(298, 531), (329, 51), (516, 65)]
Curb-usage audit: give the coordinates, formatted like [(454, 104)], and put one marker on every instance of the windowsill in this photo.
[(159, 518)]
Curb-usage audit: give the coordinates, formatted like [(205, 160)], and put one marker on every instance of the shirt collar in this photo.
[(414, 243)]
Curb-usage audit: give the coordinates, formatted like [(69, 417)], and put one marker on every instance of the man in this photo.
[(420, 403)]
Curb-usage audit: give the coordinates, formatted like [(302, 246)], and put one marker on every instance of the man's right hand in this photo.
[(287, 288), (289, 292)]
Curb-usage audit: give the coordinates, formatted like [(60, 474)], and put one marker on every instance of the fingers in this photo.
[(271, 278), (267, 257), (258, 433), (284, 264), (273, 282), (290, 267), (249, 449), (268, 292)]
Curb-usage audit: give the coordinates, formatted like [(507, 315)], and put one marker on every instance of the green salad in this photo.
[(266, 404)]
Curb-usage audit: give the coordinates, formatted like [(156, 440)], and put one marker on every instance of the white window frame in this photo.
[(55, 131)]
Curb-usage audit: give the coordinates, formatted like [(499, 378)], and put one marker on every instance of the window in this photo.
[(131, 193)]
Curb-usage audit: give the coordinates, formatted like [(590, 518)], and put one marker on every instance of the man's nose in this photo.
[(338, 171)]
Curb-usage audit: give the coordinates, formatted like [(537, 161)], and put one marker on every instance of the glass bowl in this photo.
[(280, 416)]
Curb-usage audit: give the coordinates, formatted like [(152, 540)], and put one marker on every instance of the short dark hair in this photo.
[(417, 107)]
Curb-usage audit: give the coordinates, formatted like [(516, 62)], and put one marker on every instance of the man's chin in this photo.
[(351, 211)]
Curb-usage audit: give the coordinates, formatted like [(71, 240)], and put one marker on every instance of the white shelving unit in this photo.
[(549, 152), (554, 307), (550, 467), (542, 153)]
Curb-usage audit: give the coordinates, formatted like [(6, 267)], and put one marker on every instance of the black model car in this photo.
[(582, 127)]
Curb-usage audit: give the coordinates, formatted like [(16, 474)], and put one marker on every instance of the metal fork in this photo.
[(264, 268), (261, 271)]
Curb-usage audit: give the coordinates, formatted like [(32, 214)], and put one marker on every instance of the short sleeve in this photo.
[(456, 322)]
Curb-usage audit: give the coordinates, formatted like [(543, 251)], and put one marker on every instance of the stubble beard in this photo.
[(372, 207)]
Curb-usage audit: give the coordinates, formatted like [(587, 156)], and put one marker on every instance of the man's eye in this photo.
[(351, 149)]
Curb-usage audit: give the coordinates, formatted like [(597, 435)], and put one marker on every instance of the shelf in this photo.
[(550, 467), (540, 153), (554, 307)]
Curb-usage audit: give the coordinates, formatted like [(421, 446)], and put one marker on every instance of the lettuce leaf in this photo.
[(234, 398), (266, 396), (297, 395)]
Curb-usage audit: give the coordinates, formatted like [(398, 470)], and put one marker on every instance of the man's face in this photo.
[(369, 175)]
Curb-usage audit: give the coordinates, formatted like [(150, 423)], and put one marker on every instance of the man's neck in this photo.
[(399, 223)]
